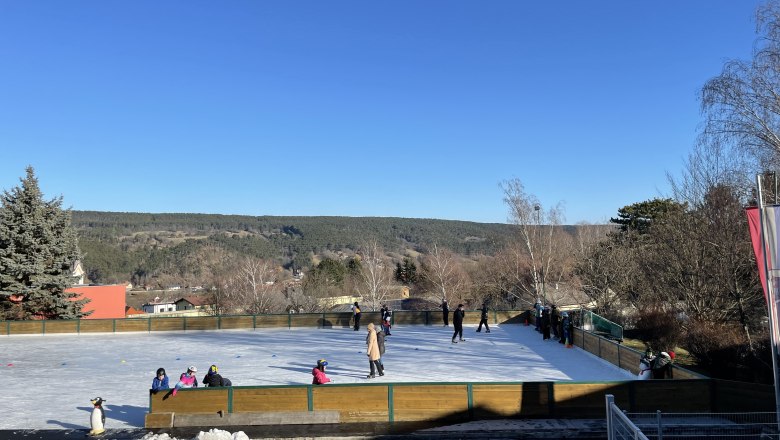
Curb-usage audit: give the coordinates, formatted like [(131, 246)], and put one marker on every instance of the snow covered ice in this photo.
[(50, 379)]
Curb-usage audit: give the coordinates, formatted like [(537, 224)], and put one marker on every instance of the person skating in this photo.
[(483, 319), (386, 318), (356, 315), (380, 341), (445, 312), (319, 373), (373, 353), (457, 321)]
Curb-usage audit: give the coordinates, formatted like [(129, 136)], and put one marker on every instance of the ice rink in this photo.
[(48, 380)]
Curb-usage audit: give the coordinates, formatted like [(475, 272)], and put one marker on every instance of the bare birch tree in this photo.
[(375, 274), (538, 231), (444, 275), (742, 105), (253, 286)]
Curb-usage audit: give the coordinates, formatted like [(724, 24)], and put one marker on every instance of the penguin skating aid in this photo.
[(97, 420)]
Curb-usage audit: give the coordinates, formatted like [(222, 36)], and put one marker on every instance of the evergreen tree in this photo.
[(38, 247), (406, 274)]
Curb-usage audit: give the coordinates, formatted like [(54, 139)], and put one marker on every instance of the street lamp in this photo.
[(538, 210)]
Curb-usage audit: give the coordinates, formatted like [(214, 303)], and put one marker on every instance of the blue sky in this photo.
[(357, 108)]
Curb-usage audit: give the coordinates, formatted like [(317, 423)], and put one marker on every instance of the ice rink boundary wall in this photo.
[(607, 349), (444, 402)]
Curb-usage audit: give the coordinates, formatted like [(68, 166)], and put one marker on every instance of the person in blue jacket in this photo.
[(160, 382)]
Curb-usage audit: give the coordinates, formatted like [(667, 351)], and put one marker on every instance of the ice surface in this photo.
[(48, 380)]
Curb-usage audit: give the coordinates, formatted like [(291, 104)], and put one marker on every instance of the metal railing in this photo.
[(619, 426), (599, 325), (744, 425)]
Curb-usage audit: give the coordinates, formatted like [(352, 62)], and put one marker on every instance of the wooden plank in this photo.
[(306, 320), (591, 343), (202, 323), (365, 404), (337, 320), (270, 399), (4, 328), (158, 420), (584, 400), (167, 324), (609, 351), (69, 326), (414, 317), (743, 397), (234, 322), (264, 321), (190, 400), (498, 401), (672, 395), (472, 317), (509, 317), (430, 402), (132, 325), (629, 359), (682, 373), (97, 326), (26, 327)]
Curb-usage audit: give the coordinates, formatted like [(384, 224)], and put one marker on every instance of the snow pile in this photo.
[(213, 434)]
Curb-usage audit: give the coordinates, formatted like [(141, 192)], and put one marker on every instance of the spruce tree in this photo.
[(38, 247)]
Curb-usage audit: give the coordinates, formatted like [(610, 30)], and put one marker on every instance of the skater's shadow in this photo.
[(296, 369), (342, 371)]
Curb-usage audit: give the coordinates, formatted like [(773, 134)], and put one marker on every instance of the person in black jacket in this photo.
[(483, 319), (555, 321), (356, 316), (457, 321), (546, 323), (445, 311), (662, 365), (214, 379)]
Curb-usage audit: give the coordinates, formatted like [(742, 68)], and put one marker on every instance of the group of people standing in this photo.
[(653, 366), (549, 318)]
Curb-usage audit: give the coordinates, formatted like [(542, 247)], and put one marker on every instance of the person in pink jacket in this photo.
[(319, 373), (187, 380), (373, 353)]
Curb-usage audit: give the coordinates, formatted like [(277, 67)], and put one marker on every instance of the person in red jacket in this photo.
[(319, 373)]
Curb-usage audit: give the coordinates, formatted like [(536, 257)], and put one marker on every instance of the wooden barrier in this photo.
[(447, 402), (200, 323), (98, 326), (69, 326)]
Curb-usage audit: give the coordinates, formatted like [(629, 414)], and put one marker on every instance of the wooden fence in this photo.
[(456, 402), (186, 323)]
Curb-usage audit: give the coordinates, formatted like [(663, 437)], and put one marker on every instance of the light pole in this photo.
[(538, 210)]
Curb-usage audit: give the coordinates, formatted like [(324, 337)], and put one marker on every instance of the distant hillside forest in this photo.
[(135, 247)]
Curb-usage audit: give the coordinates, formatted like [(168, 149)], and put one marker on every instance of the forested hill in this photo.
[(118, 245)]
